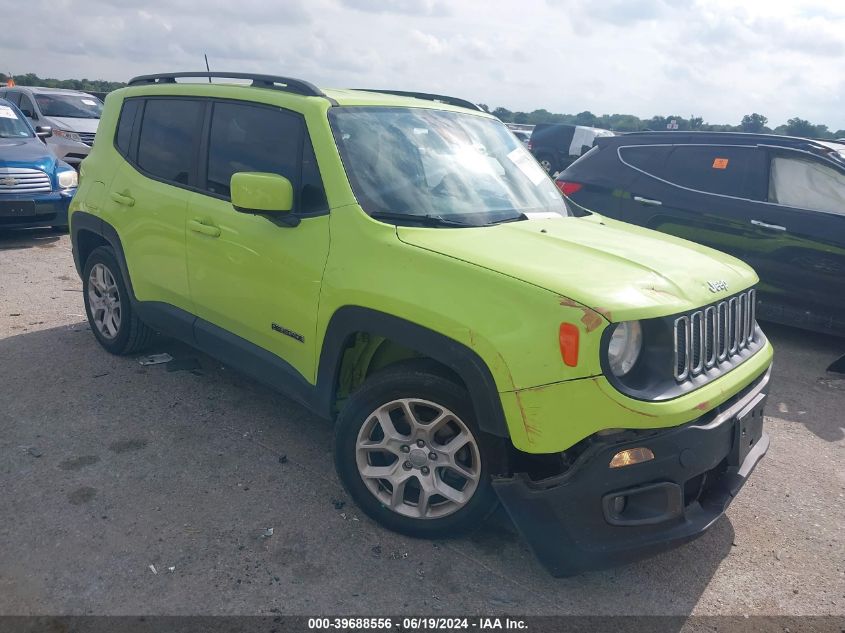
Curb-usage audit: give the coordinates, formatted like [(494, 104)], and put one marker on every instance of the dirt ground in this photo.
[(109, 470)]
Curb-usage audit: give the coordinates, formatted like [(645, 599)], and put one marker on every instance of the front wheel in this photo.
[(409, 452)]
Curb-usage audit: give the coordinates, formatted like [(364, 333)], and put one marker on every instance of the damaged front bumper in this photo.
[(592, 516)]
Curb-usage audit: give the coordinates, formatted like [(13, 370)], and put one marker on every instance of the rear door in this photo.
[(147, 199), (702, 193)]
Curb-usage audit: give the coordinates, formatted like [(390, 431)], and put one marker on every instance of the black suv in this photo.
[(555, 146), (776, 202)]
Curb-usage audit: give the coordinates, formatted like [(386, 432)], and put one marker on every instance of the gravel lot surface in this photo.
[(109, 470)]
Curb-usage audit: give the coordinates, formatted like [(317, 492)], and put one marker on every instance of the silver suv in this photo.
[(73, 116)]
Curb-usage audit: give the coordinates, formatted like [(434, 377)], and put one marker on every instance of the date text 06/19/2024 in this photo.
[(417, 624)]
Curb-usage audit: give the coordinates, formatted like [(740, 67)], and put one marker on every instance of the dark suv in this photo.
[(776, 202), (555, 146)]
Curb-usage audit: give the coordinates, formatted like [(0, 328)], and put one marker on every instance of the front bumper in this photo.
[(573, 522), (50, 210)]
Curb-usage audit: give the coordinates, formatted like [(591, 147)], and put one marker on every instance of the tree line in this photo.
[(754, 122), (617, 122), (86, 85)]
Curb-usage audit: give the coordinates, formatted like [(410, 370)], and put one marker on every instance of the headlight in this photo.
[(624, 348), (71, 136), (68, 179)]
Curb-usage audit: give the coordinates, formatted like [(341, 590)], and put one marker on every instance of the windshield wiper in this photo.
[(512, 218), (427, 220)]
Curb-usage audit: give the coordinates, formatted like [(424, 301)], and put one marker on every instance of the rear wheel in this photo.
[(409, 452), (547, 163), (110, 314)]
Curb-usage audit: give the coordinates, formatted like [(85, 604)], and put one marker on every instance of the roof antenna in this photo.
[(206, 66)]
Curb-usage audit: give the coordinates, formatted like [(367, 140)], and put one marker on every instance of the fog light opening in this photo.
[(631, 456), (619, 504)]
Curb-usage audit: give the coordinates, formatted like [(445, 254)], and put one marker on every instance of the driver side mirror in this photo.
[(27, 113), (43, 131)]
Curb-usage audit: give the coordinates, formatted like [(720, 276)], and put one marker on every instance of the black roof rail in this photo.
[(455, 101), (286, 84)]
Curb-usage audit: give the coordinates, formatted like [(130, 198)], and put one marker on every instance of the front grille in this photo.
[(87, 137), (19, 180), (713, 335)]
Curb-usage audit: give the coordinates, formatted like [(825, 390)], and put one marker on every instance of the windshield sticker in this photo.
[(89, 102), (523, 161), (720, 163), (7, 113)]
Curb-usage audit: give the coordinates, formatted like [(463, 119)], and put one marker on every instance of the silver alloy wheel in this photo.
[(104, 301), (418, 458)]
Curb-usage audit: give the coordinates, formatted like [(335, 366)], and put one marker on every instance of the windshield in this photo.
[(11, 125), (75, 106), (459, 167)]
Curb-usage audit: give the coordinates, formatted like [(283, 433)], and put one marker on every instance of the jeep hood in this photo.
[(623, 271)]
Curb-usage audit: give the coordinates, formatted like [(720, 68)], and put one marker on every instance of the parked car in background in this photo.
[(72, 115), (776, 202), (522, 135), (400, 263), (557, 146), (35, 186)]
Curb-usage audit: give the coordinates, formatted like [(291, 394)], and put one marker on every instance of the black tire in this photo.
[(414, 379), (132, 335), (548, 163)]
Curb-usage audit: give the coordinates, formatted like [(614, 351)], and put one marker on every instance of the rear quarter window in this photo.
[(123, 133)]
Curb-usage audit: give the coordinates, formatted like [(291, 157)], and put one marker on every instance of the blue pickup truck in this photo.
[(35, 186)]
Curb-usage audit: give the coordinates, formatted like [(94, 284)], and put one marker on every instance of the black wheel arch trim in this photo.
[(344, 323), (83, 221), (467, 364)]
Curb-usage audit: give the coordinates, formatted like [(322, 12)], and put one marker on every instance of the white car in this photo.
[(72, 115)]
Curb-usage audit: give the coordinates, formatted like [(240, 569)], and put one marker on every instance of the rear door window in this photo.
[(806, 184), (725, 170), (14, 97), (167, 144)]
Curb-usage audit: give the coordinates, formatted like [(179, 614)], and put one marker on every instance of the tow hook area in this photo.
[(644, 505)]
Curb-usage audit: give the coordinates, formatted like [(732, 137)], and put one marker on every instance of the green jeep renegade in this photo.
[(400, 263)]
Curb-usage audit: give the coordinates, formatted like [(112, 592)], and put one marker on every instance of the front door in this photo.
[(252, 275), (800, 230)]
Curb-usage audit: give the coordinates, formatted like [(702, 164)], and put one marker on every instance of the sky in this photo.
[(718, 59)]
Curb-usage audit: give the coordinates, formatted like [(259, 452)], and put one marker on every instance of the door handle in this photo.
[(766, 225), (126, 201), (206, 229), (648, 201)]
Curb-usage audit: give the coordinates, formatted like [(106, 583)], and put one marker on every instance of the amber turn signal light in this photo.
[(631, 456), (569, 343)]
